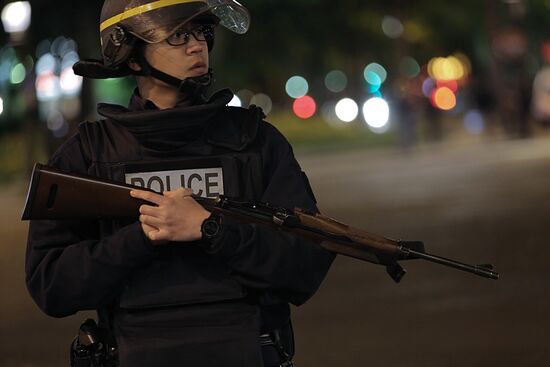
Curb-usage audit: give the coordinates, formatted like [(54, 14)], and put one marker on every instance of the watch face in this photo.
[(210, 227)]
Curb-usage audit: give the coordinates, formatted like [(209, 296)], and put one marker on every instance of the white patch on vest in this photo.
[(205, 182)]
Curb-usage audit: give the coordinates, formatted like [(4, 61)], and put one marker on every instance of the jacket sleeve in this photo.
[(262, 257), (67, 267)]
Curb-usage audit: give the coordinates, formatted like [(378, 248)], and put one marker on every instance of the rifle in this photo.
[(54, 194)]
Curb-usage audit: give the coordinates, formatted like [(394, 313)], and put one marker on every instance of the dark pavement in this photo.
[(474, 202)]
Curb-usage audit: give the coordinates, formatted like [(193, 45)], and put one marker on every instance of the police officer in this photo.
[(180, 285)]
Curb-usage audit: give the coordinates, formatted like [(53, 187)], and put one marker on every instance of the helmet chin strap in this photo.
[(193, 86)]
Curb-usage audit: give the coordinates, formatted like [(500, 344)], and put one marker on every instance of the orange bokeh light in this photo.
[(443, 98)]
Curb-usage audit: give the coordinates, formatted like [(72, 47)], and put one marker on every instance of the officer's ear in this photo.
[(133, 60)]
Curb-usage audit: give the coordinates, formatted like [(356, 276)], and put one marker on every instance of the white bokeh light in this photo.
[(346, 109), (263, 101), (376, 112), (235, 101), (16, 17), (70, 83), (47, 87), (47, 63)]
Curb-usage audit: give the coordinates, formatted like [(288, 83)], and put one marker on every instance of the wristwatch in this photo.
[(211, 227)]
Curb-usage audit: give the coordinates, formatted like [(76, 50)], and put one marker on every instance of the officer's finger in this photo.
[(150, 221), (147, 196), (149, 210)]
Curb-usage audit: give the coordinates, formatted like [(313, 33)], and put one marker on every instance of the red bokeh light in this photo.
[(304, 107), (451, 84)]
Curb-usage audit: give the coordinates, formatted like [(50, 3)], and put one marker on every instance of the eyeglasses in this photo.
[(202, 32)]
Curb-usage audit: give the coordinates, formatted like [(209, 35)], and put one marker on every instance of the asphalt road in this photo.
[(478, 202)]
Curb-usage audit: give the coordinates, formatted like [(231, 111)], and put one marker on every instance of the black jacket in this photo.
[(244, 284)]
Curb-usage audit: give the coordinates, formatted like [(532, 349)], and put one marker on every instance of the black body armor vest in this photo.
[(178, 275)]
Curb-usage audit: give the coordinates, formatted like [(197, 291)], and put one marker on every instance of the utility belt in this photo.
[(96, 347)]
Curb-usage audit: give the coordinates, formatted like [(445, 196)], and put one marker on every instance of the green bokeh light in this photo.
[(18, 74), (115, 90), (409, 67)]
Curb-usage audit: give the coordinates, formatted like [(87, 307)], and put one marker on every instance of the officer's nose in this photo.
[(194, 46)]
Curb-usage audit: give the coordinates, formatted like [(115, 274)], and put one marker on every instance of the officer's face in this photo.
[(181, 61)]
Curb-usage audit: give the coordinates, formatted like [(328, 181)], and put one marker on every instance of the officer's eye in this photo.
[(179, 34)]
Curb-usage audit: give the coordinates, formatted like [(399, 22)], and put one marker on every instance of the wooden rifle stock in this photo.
[(54, 194)]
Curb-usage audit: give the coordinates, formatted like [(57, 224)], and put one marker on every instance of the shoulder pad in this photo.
[(237, 128), (105, 141)]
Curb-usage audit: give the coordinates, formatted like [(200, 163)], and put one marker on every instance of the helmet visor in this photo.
[(155, 21)]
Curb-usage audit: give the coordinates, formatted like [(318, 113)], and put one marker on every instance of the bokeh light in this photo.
[(473, 122), (428, 86), (55, 120), (70, 83), (451, 84), (376, 112), (245, 96), (47, 83), (235, 101), (1, 105), (336, 81), (375, 74), (446, 68), (409, 67), (18, 74), (296, 86), (47, 63), (43, 48), (69, 59), (263, 101), (16, 16), (443, 98), (112, 90), (47, 87), (304, 107), (392, 27), (346, 109), (7, 58)]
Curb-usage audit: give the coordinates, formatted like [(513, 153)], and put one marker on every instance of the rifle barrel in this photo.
[(474, 269)]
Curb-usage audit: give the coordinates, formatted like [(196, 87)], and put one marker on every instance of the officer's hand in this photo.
[(176, 216)]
